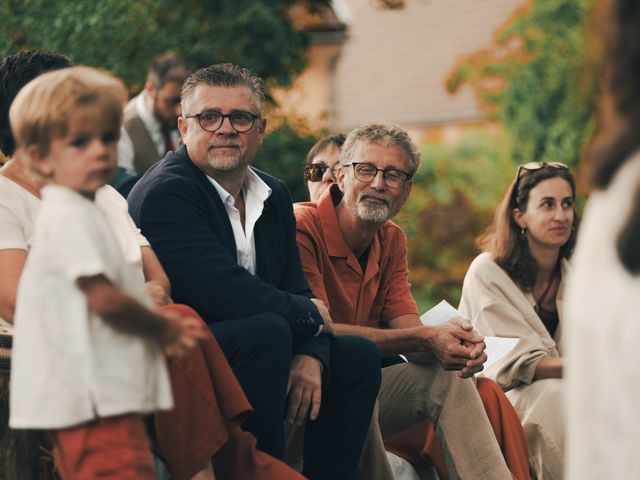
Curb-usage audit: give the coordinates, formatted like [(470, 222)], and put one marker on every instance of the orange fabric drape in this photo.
[(209, 407)]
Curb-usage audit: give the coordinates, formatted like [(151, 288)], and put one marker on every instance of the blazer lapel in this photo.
[(220, 217), (265, 251)]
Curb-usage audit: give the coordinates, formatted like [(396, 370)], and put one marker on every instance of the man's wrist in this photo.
[(423, 337), (315, 358)]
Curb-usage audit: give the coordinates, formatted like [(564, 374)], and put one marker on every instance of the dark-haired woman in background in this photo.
[(514, 289), (321, 163), (603, 293)]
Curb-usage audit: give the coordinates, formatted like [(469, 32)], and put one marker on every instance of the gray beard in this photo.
[(373, 213), (224, 163)]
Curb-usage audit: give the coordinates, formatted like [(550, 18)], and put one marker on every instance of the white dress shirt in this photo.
[(255, 193)]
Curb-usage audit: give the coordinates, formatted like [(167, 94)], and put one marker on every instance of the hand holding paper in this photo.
[(496, 347), (457, 347)]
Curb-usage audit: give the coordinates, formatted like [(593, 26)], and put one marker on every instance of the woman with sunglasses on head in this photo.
[(603, 292), (321, 163), (514, 289)]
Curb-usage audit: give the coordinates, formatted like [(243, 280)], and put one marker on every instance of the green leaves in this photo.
[(123, 35), (547, 84), (282, 155)]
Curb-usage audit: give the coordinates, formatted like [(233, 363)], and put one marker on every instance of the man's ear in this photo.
[(39, 162), (407, 191), (262, 126), (150, 88), (340, 176), (182, 128)]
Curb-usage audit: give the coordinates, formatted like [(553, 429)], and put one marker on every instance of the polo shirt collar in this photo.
[(334, 240)]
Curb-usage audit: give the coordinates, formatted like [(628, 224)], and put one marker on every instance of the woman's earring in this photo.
[(523, 232)]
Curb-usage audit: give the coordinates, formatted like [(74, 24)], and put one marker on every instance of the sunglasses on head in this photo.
[(315, 172), (532, 167)]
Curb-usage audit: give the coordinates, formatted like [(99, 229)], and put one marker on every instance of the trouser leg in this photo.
[(539, 407), (113, 448), (411, 393), (258, 349), (333, 443), (374, 464)]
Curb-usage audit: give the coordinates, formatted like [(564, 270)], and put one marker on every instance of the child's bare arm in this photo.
[(157, 282), (176, 334)]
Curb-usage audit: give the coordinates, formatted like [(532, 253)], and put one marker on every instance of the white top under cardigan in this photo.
[(495, 305)]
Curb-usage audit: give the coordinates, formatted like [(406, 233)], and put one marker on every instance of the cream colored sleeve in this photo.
[(497, 307)]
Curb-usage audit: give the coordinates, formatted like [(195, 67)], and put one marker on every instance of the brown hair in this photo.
[(503, 237), (43, 108), (618, 122), (165, 68)]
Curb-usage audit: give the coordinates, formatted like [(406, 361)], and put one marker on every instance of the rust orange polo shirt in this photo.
[(371, 298)]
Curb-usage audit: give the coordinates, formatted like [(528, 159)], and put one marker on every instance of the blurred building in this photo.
[(368, 63)]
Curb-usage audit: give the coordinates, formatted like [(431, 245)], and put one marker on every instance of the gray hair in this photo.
[(225, 75), (384, 135)]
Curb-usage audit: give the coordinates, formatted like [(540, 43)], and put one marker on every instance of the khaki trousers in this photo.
[(411, 393)]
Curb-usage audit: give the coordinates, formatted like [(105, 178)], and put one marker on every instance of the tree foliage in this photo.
[(453, 195), (539, 79), (123, 35), (282, 155)]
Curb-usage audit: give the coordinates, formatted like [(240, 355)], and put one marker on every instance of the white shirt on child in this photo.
[(69, 365), (19, 209)]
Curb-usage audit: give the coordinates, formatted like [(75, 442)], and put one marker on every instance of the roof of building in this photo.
[(394, 63), (315, 18)]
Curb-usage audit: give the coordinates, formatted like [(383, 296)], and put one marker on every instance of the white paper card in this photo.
[(441, 313), (497, 347)]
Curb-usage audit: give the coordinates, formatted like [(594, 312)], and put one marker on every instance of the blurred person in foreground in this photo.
[(603, 292), (77, 288), (515, 289), (355, 259)]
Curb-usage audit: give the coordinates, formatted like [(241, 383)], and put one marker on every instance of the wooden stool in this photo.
[(19, 449)]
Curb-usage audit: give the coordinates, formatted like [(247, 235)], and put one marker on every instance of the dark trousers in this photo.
[(259, 348)]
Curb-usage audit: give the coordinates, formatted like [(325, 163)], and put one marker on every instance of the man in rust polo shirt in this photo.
[(355, 260)]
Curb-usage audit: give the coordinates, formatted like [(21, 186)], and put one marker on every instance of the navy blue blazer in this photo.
[(181, 214)]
